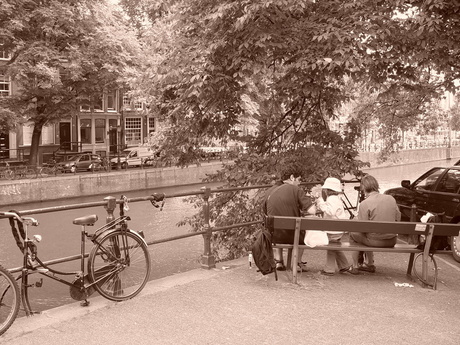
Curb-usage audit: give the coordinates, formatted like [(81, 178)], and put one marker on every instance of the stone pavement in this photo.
[(233, 304)]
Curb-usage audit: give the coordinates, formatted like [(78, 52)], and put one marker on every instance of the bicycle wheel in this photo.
[(119, 263), (31, 173), (10, 175), (431, 274), (9, 299)]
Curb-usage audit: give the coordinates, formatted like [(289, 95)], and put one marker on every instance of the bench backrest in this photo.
[(406, 228)]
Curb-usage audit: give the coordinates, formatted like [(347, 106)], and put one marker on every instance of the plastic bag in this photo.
[(315, 238)]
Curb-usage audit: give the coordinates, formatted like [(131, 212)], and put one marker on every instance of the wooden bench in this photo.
[(404, 228)]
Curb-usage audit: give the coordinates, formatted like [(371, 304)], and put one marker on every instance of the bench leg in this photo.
[(410, 265), (289, 259)]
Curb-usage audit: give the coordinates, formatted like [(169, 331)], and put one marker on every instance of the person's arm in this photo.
[(363, 211), (329, 207), (306, 204)]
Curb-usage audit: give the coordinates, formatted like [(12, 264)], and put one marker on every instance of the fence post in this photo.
[(207, 259), (110, 207)]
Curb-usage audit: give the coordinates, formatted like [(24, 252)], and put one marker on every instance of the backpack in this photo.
[(437, 242), (262, 253)]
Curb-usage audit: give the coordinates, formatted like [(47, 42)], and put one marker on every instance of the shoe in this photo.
[(352, 270), (345, 270), (324, 273), (280, 266), (367, 268), (301, 267)]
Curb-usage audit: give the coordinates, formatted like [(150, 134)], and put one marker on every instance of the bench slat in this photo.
[(406, 228), (346, 246)]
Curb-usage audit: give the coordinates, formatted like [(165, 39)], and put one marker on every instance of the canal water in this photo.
[(61, 238)]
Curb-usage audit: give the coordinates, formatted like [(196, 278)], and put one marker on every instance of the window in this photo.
[(100, 130), (98, 103), (85, 131), (85, 104), (112, 101), (4, 55), (133, 131), (427, 182), (450, 182), (5, 86), (126, 102), (27, 130), (138, 105), (151, 123), (48, 135)]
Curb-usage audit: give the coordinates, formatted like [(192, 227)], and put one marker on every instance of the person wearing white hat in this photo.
[(332, 207)]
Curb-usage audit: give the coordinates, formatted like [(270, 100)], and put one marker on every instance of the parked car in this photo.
[(134, 156), (81, 161), (437, 191)]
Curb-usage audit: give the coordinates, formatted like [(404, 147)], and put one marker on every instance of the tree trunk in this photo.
[(35, 144)]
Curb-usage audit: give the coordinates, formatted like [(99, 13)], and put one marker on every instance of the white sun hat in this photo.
[(333, 183)]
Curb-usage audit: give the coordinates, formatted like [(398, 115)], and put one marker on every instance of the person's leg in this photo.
[(356, 238), (278, 254), (369, 265), (342, 261), (329, 269), (301, 264)]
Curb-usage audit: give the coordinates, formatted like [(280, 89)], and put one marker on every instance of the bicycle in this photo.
[(49, 169), (118, 266), (7, 172), (25, 172)]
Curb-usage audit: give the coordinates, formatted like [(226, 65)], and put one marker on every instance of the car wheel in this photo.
[(455, 245), (124, 165), (73, 169)]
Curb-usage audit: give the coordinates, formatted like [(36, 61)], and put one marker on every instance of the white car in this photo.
[(134, 156)]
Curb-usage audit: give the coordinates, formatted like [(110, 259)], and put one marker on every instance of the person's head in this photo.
[(369, 184), (331, 186), (291, 176)]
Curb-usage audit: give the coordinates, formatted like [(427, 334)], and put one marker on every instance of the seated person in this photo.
[(285, 198), (378, 207)]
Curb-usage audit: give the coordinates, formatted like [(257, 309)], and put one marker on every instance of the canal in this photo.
[(61, 238)]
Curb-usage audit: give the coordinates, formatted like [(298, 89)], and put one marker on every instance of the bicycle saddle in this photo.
[(86, 220)]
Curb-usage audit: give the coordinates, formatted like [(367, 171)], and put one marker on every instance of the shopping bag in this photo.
[(315, 238)]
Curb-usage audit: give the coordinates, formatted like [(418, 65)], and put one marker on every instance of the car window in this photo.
[(450, 182), (84, 158), (428, 182)]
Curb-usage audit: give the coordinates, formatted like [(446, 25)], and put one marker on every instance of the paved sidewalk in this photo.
[(233, 304)]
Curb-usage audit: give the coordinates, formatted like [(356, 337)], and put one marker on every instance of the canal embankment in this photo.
[(13, 192), (67, 186)]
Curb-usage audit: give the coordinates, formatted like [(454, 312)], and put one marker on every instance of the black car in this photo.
[(436, 191)]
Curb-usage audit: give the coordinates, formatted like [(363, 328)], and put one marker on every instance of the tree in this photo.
[(61, 53), (294, 60)]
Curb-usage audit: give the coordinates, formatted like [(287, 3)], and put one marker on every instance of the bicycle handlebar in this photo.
[(28, 220)]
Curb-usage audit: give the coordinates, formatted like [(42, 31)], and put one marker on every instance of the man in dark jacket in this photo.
[(287, 199)]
